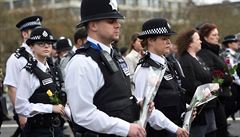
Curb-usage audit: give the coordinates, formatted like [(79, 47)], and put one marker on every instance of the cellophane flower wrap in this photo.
[(229, 69), (154, 80), (203, 94)]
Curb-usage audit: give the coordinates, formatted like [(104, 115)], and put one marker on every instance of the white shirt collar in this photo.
[(232, 52), (42, 66), (157, 58), (104, 47), (74, 49)]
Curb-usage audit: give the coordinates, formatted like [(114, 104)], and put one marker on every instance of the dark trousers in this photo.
[(80, 131), (236, 96), (221, 121), (232, 102), (159, 133), (211, 134), (29, 131)]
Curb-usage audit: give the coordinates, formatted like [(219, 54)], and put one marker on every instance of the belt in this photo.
[(93, 134), (45, 121), (87, 134)]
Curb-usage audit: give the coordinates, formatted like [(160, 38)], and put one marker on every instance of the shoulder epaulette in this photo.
[(82, 49), (21, 52), (143, 62), (18, 52), (146, 61), (30, 65)]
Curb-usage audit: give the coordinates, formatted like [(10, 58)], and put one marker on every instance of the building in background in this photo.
[(63, 15), (133, 9)]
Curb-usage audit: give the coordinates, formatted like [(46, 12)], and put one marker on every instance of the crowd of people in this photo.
[(101, 91)]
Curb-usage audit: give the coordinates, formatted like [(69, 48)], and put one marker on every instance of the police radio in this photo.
[(107, 59), (63, 97)]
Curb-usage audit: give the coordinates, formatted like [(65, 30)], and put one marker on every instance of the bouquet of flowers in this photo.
[(53, 97), (230, 69), (218, 77), (224, 78), (153, 83), (202, 95)]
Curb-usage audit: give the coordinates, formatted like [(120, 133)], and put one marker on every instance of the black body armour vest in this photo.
[(48, 81), (114, 98), (168, 98)]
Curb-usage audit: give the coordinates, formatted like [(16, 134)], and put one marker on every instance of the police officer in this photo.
[(156, 34), (18, 60), (80, 37), (38, 94), (100, 97), (231, 57), (64, 52)]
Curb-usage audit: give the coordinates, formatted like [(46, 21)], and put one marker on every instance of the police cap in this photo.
[(155, 27), (40, 35), (29, 22)]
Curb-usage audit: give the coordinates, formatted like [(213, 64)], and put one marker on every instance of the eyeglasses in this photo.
[(42, 44)]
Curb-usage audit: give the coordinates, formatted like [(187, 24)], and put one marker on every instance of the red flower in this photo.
[(227, 61), (217, 74), (218, 77)]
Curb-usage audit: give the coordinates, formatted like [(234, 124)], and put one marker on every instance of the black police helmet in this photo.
[(98, 9), (63, 44)]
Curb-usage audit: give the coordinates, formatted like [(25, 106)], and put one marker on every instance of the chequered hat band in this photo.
[(33, 23), (39, 37), (162, 30)]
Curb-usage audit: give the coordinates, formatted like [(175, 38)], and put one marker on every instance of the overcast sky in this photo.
[(211, 1)]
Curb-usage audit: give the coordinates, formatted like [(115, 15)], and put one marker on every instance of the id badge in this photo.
[(168, 77), (124, 66)]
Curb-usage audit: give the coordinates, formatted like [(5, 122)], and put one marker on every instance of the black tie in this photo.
[(111, 52), (48, 71)]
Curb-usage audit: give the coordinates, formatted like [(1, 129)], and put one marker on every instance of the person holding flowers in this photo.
[(209, 53), (155, 35), (196, 74), (231, 57), (38, 96)]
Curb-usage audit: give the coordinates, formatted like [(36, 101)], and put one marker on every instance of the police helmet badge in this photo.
[(44, 34), (113, 3)]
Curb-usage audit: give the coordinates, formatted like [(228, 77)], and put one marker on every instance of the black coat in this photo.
[(196, 73), (210, 55)]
